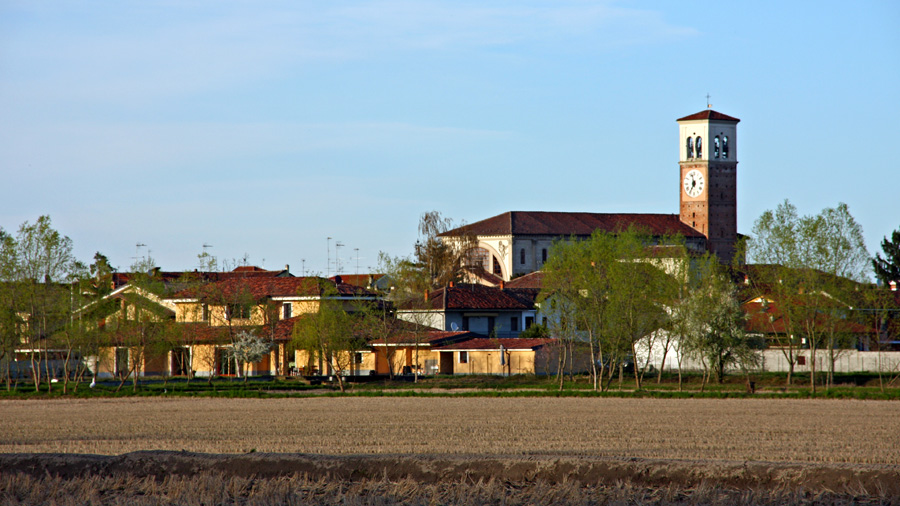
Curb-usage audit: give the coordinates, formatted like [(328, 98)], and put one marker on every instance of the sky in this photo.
[(262, 129)]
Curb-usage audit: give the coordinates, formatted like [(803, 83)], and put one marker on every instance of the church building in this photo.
[(518, 242)]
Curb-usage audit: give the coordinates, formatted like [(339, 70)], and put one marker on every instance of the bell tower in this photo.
[(707, 147)]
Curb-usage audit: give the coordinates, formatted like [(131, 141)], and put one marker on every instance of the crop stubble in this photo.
[(824, 431)]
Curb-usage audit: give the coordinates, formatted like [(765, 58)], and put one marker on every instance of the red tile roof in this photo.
[(768, 319), (475, 296), (534, 280), (565, 224), (260, 288), (509, 343), (479, 273), (169, 277), (432, 338), (709, 114)]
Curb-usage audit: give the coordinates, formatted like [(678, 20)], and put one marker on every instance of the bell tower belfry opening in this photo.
[(707, 156)]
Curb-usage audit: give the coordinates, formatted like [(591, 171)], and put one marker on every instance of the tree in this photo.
[(609, 293), (813, 263), (640, 292), (142, 323), (249, 348), (377, 321), (330, 334), (887, 269), (712, 324), (437, 261), (36, 266)]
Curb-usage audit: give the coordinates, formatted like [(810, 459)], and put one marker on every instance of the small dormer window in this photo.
[(725, 146), (689, 147), (716, 147), (699, 144), (522, 256)]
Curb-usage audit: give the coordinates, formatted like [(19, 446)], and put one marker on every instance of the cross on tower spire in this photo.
[(708, 105)]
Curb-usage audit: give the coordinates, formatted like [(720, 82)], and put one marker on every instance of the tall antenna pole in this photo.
[(137, 251), (328, 262), (337, 257), (357, 260)]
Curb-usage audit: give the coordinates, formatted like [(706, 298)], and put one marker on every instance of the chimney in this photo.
[(451, 284), (426, 295), (502, 285), (893, 286), (287, 267)]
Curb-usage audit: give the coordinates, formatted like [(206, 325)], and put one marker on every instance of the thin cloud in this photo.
[(138, 53)]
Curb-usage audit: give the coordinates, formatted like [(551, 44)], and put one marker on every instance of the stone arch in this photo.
[(489, 257)]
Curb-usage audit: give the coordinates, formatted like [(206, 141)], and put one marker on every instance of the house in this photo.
[(411, 349), (499, 312), (508, 356), (268, 306), (198, 326)]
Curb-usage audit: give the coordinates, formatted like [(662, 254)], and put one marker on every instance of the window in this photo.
[(529, 321), (544, 255), (699, 145), (522, 256), (689, 147), (478, 257), (286, 310), (514, 324), (204, 312), (357, 358), (237, 311), (725, 146), (544, 321), (464, 357), (497, 269), (716, 147), (465, 323)]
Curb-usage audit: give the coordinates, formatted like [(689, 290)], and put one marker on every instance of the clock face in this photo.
[(694, 183)]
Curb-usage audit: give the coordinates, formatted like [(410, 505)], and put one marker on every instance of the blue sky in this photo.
[(262, 128)]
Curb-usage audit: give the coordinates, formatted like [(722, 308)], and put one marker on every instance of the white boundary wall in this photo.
[(845, 361), (774, 360)]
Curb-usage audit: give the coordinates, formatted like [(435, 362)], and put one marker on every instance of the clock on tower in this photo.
[(708, 185)]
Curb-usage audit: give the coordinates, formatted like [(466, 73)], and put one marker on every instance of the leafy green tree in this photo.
[(330, 334), (608, 292), (712, 324), (887, 269), (37, 265), (813, 263)]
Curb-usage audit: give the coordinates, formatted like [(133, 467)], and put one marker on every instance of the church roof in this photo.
[(709, 114), (578, 224)]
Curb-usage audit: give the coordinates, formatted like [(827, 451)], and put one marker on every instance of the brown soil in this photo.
[(426, 469)]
